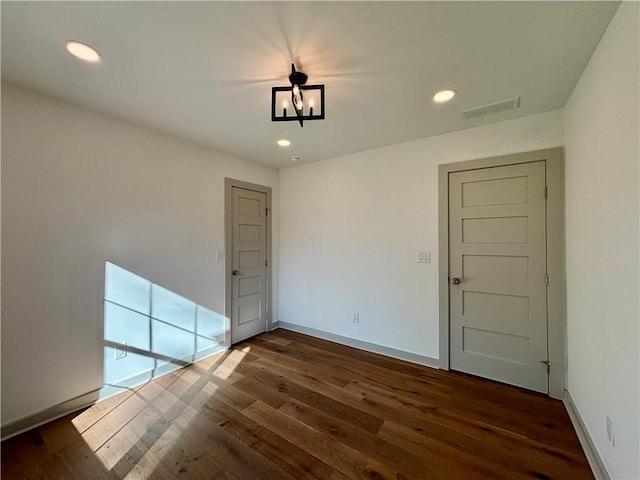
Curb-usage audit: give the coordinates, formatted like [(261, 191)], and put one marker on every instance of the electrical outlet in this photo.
[(120, 353), (219, 255), (610, 434), (356, 317)]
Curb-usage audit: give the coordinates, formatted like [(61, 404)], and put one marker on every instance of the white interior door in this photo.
[(249, 263), (497, 270)]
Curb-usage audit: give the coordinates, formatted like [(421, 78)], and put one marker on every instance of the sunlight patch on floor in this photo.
[(132, 432), (229, 365)]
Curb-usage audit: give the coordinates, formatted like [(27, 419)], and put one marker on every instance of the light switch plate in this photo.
[(424, 256)]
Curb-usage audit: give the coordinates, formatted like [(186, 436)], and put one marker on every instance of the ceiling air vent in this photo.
[(491, 108)]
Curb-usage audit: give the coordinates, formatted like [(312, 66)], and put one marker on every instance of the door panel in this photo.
[(497, 247), (249, 255), (513, 269), (495, 230), (491, 344), (499, 191)]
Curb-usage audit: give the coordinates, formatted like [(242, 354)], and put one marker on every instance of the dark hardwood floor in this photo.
[(286, 406)]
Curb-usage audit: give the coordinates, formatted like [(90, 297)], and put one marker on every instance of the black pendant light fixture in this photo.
[(307, 101)]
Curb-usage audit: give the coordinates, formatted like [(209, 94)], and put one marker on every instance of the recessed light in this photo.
[(83, 51), (444, 96), (283, 142)]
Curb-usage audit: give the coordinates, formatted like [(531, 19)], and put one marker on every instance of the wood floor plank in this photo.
[(275, 338), (100, 432), (451, 426), (236, 457), (305, 364), (88, 416), (262, 392), (220, 404), (297, 390), (348, 461), (283, 453), (360, 355), (323, 360), (59, 435), (288, 406), (456, 463), (403, 461), (186, 456)]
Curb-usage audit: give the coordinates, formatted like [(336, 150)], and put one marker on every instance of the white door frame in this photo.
[(556, 322), (229, 184)]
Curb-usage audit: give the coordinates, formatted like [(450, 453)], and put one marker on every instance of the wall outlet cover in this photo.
[(120, 353)]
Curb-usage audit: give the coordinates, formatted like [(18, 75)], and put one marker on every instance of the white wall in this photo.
[(351, 229), (79, 188), (602, 157)]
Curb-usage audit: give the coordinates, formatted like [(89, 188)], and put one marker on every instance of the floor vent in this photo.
[(491, 108)]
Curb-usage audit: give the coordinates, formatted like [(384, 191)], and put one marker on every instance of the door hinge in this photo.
[(266, 315), (266, 211), (548, 364), (546, 192), (266, 262), (546, 279)]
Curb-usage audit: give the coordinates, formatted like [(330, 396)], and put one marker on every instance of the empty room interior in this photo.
[(320, 240)]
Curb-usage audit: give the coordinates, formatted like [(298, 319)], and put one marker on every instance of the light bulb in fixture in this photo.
[(83, 51), (296, 99), (283, 142), (444, 96)]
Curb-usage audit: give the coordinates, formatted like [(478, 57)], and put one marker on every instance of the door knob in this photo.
[(235, 273), (455, 280)]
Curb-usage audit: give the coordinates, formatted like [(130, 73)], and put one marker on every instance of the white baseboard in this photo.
[(52, 413), (593, 457), (70, 406), (362, 345)]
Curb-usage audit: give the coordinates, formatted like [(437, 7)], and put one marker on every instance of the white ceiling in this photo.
[(204, 70)]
